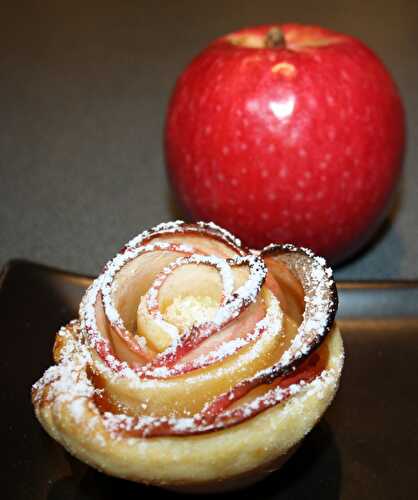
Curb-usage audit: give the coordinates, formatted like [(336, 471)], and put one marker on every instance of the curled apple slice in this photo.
[(131, 273), (319, 295), (181, 278)]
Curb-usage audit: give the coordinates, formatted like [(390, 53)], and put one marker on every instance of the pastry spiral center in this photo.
[(184, 312)]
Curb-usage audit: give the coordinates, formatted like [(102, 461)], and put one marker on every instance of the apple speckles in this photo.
[(207, 183), (202, 100), (319, 195), (330, 100), (220, 176), (344, 75), (312, 103), (294, 135), (370, 130), (265, 216), (283, 172), (264, 174), (271, 148), (298, 196), (359, 184), (208, 130), (272, 196), (244, 170), (196, 168), (243, 146), (225, 150), (252, 106), (251, 197), (307, 174), (302, 152), (234, 182), (301, 183), (188, 158), (218, 108), (331, 133)]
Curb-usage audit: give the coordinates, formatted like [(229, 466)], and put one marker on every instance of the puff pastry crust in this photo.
[(195, 364)]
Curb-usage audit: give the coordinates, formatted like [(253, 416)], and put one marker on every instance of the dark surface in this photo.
[(83, 92), (365, 447)]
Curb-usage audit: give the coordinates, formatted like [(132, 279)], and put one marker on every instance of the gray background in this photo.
[(83, 92)]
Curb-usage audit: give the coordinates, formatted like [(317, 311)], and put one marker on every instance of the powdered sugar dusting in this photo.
[(87, 344), (247, 293), (62, 378), (220, 264), (145, 425), (269, 326), (318, 285)]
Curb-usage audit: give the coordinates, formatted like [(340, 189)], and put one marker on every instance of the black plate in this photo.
[(366, 447)]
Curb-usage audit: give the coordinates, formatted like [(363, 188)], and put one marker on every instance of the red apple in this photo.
[(287, 133)]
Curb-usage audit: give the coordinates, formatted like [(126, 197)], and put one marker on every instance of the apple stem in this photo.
[(274, 38)]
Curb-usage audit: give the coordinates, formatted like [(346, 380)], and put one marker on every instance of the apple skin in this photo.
[(301, 143)]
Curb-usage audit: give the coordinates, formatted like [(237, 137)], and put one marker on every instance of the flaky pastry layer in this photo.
[(65, 406)]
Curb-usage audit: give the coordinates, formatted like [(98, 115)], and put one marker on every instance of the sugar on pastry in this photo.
[(195, 363)]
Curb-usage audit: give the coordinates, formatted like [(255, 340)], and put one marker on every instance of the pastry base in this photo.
[(239, 482), (211, 462)]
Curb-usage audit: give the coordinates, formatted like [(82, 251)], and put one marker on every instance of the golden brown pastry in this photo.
[(195, 363)]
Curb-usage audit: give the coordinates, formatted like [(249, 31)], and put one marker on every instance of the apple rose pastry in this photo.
[(195, 363)]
